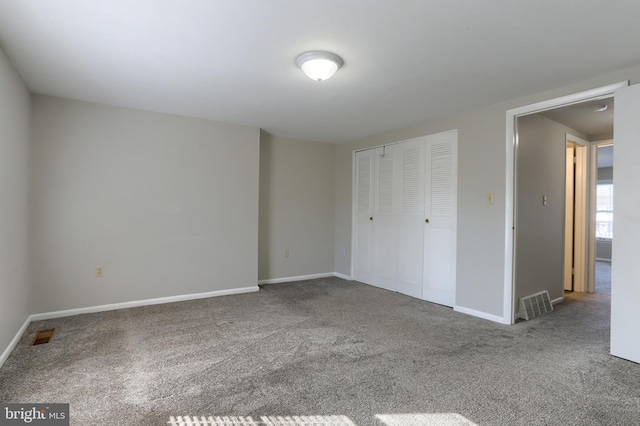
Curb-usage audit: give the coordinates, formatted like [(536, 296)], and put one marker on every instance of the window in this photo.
[(604, 211)]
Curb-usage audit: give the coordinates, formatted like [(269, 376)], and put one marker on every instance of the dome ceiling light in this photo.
[(319, 65)]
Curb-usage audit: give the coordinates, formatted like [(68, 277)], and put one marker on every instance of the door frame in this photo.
[(581, 214), (509, 304), (593, 182)]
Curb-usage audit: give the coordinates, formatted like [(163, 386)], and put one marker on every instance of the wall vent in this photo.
[(535, 305), (43, 337)]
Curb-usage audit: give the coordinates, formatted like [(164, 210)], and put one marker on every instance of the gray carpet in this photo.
[(330, 352), (603, 277)]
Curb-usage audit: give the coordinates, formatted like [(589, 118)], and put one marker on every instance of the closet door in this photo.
[(439, 274), (385, 212), (363, 208), (411, 217)]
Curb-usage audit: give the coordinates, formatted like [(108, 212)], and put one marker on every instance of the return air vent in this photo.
[(535, 305), (43, 337)]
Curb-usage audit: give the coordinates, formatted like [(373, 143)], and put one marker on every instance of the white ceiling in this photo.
[(582, 117), (406, 62)]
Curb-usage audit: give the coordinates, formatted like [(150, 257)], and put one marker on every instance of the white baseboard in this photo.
[(114, 306), (298, 278), (480, 314), (343, 276), (14, 341), (145, 302), (305, 277)]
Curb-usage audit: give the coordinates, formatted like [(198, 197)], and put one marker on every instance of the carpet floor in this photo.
[(327, 352)]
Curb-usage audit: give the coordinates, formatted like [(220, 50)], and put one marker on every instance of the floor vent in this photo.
[(535, 305), (43, 337)]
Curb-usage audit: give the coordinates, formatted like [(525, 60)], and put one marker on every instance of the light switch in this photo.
[(490, 198)]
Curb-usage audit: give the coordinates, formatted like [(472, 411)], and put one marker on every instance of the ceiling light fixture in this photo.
[(599, 107), (319, 65)]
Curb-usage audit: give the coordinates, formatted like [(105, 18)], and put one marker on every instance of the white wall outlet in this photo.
[(99, 271), (286, 253), (544, 200)]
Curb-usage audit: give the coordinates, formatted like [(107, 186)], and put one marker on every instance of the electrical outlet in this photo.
[(99, 271), (286, 253)]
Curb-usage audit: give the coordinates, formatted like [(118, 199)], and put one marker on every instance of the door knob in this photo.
[(426, 220)]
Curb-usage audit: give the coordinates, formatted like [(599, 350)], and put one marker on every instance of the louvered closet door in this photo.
[(363, 207), (439, 275), (385, 211), (411, 217)]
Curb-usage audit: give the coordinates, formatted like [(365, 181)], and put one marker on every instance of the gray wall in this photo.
[(167, 205), (540, 229), (296, 207), (15, 304)]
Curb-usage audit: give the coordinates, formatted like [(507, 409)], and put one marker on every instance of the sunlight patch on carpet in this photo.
[(420, 419), (262, 421)]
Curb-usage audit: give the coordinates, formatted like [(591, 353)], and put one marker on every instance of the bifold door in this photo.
[(405, 217)]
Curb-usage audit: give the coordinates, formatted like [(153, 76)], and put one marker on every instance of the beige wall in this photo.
[(540, 237), (296, 207), (167, 205), (482, 169), (15, 304)]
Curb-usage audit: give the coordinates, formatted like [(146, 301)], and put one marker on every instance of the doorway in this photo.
[(540, 200), (603, 215)]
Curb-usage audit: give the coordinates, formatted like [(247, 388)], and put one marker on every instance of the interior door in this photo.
[(411, 157), (363, 226), (439, 276), (568, 217), (385, 210), (625, 291)]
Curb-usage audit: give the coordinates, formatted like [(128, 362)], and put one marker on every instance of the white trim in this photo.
[(593, 183), (137, 303), (14, 341), (298, 278), (480, 314), (581, 214), (354, 212), (343, 276), (511, 143)]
